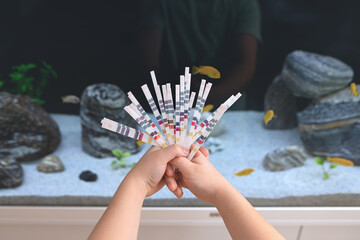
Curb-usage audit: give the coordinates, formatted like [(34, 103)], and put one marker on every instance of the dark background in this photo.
[(95, 41)]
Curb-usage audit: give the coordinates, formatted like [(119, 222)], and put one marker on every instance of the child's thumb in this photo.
[(168, 153), (183, 164)]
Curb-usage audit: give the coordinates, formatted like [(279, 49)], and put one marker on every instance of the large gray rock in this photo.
[(284, 158), (104, 100), (332, 127), (27, 132), (313, 75), (11, 173), (280, 99)]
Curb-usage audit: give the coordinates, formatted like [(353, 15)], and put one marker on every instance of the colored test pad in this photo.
[(173, 123)]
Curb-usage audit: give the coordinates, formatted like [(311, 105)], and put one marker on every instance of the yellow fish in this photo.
[(340, 161), (206, 70), (353, 90), (208, 108), (70, 99), (244, 172), (268, 116), (139, 143)]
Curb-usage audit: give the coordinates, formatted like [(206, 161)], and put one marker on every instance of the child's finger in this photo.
[(169, 170), (204, 151), (171, 183), (183, 164), (178, 192), (166, 154)]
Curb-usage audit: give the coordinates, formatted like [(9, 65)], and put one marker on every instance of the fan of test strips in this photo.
[(176, 127)]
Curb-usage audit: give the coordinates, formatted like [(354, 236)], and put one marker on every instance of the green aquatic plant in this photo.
[(321, 161), (30, 80), (120, 158)]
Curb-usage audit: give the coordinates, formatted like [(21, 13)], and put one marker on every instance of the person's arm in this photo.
[(205, 182), (242, 69), (122, 216)]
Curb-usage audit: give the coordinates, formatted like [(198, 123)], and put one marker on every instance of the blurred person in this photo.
[(218, 33)]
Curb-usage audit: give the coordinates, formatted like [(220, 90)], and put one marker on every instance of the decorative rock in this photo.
[(98, 101), (332, 128), (284, 158), (27, 132), (220, 127), (280, 99), (11, 173), (50, 164), (312, 75), (88, 176)]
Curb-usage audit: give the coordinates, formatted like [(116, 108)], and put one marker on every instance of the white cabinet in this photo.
[(294, 223)]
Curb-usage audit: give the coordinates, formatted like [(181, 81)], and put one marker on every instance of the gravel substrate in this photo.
[(246, 143)]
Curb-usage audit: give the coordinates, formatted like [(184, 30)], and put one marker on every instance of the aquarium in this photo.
[(271, 89)]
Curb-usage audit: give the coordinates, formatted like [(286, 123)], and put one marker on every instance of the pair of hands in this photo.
[(154, 170)]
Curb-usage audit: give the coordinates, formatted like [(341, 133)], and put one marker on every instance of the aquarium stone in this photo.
[(27, 132), (285, 158), (88, 176), (313, 75), (332, 127), (98, 101), (280, 99), (50, 164), (11, 173)]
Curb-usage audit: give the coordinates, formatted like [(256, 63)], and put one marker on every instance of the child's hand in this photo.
[(150, 169), (198, 175)]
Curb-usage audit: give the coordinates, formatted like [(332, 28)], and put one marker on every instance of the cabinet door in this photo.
[(330, 233)]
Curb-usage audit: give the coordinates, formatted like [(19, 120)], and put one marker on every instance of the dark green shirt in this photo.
[(199, 32)]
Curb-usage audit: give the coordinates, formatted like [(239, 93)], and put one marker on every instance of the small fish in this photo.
[(268, 116), (353, 90), (139, 143), (340, 161), (208, 108), (244, 172), (206, 70), (70, 99)]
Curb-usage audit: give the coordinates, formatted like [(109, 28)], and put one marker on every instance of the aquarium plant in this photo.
[(326, 173), (29, 79), (121, 158)]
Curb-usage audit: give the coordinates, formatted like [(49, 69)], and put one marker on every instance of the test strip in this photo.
[(171, 107), (127, 131), (228, 103), (187, 97), (191, 100), (182, 109), (207, 131), (162, 106), (177, 114), (149, 128), (141, 110), (153, 107), (197, 113), (169, 133)]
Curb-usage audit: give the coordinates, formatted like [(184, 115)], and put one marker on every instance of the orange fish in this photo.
[(353, 90), (206, 70), (268, 116), (244, 172), (340, 161), (208, 108)]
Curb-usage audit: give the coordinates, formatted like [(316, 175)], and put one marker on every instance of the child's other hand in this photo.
[(197, 175), (150, 169)]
